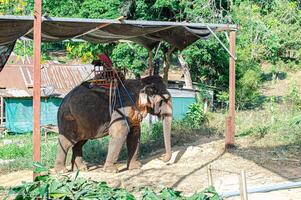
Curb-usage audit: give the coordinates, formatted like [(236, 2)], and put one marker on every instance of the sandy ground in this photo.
[(187, 171)]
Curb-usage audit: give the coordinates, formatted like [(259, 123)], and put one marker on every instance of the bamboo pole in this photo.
[(243, 186), (209, 174), (37, 80)]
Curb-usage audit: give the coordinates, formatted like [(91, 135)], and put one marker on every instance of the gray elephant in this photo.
[(85, 114)]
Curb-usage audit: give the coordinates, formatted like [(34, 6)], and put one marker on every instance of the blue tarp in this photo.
[(19, 113), (180, 106)]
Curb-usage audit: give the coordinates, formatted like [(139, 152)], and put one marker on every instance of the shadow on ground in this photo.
[(95, 151), (283, 160)]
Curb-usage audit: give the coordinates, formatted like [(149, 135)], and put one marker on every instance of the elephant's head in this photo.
[(157, 100)]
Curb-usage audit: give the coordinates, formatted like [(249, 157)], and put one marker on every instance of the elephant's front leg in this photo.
[(133, 145), (118, 132)]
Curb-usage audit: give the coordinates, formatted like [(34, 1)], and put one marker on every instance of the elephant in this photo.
[(85, 114)]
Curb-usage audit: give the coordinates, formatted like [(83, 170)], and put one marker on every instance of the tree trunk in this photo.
[(186, 72), (166, 59)]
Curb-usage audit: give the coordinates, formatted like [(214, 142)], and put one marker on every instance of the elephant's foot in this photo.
[(82, 167), (60, 169), (78, 164), (134, 165), (111, 168)]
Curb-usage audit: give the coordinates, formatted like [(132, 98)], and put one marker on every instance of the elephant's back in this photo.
[(84, 111)]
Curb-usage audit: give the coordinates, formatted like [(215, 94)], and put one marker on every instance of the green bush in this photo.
[(151, 133), (258, 131), (195, 116), (293, 97)]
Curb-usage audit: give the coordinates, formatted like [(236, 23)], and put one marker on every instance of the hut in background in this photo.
[(16, 91)]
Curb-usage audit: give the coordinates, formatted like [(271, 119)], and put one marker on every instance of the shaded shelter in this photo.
[(146, 33)]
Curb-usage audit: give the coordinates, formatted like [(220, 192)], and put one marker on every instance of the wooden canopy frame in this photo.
[(230, 120)]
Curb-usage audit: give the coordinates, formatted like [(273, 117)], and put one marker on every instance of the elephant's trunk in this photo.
[(167, 120)]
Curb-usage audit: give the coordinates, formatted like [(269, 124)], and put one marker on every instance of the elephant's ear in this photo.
[(166, 97), (143, 101)]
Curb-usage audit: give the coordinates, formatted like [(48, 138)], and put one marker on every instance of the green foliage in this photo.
[(20, 151), (208, 62), (86, 51), (66, 187), (195, 116), (268, 30), (279, 124), (258, 131), (170, 194), (247, 91), (13, 7), (293, 97), (223, 96), (151, 136), (130, 56), (100, 9)]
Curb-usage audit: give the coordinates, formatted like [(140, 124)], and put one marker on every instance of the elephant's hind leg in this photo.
[(77, 156), (63, 146), (133, 145)]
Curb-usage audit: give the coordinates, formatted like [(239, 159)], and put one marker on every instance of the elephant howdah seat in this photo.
[(105, 75)]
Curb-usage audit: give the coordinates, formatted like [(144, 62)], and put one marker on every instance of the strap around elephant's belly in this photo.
[(102, 131)]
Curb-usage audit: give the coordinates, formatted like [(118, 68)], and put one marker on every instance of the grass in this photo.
[(20, 151), (271, 126), (281, 121), (94, 151)]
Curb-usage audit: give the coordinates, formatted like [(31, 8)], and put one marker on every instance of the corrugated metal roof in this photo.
[(16, 79)]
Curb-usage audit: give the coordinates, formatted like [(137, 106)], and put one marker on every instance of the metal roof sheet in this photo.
[(16, 80)]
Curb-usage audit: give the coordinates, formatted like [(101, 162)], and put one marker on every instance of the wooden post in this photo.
[(230, 121), (150, 73), (209, 174), (243, 186), (1, 111), (36, 80), (150, 62)]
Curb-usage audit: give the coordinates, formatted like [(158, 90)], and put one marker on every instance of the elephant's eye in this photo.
[(161, 102), (151, 91)]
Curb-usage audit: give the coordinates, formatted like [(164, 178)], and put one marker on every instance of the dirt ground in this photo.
[(187, 171)]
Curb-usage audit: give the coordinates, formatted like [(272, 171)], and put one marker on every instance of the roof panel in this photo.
[(17, 78)]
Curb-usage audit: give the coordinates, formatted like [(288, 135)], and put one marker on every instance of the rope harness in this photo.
[(108, 78)]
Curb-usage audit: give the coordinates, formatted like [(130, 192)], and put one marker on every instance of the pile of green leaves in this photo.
[(170, 194), (65, 187)]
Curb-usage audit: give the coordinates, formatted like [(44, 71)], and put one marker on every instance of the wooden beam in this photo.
[(150, 62), (37, 80), (230, 122)]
